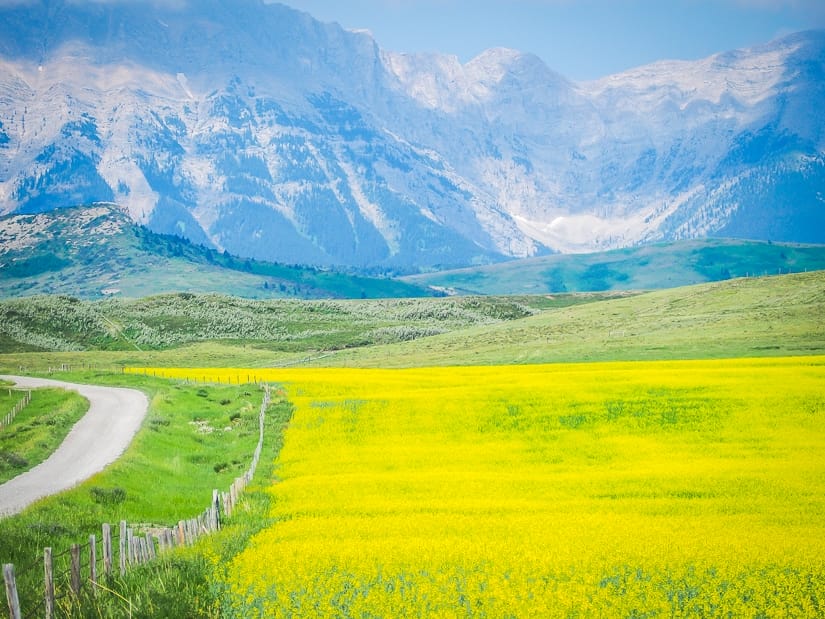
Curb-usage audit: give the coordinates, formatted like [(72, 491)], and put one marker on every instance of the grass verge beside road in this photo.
[(38, 429), (196, 438)]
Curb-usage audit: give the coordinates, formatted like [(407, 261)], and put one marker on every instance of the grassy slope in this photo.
[(742, 317), (62, 323), (665, 265), (83, 251), (780, 315)]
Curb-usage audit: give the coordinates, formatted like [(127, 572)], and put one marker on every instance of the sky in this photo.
[(581, 39)]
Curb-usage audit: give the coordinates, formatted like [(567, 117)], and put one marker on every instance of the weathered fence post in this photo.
[(75, 575), (130, 547), (11, 591), (93, 562), (140, 548), (48, 582), (122, 547), (233, 496), (107, 550), (144, 552), (225, 503), (216, 510)]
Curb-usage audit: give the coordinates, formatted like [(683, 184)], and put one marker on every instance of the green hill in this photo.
[(61, 323), (765, 316), (96, 251), (664, 265), (748, 317)]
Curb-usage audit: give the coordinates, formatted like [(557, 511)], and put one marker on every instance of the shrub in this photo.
[(107, 496)]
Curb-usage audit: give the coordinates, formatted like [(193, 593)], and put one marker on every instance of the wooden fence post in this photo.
[(48, 569), (11, 591), (107, 550), (216, 510), (130, 547), (122, 547), (140, 548), (75, 575), (93, 562), (144, 552)]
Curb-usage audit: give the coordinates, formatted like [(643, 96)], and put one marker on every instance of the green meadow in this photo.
[(200, 436)]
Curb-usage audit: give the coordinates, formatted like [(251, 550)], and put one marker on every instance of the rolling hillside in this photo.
[(60, 323), (663, 265), (96, 251), (747, 317), (765, 316)]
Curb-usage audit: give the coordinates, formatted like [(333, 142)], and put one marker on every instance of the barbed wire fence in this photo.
[(66, 571), (23, 403)]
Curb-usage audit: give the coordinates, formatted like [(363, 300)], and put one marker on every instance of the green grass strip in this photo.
[(38, 429), (195, 438)]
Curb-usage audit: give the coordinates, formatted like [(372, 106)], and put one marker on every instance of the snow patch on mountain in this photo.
[(265, 132)]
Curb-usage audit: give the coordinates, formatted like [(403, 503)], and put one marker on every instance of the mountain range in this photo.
[(255, 129)]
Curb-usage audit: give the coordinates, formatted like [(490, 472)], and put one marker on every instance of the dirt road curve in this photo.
[(114, 416)]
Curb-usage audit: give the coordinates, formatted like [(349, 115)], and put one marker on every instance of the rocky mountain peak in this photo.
[(255, 128)]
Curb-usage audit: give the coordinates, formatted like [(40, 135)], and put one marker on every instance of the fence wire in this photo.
[(123, 552)]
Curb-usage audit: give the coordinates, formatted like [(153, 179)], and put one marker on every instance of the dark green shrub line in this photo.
[(61, 323)]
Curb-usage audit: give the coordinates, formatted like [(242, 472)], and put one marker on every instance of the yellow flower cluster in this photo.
[(662, 489)]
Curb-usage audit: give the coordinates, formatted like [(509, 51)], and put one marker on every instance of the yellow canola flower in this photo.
[(655, 489)]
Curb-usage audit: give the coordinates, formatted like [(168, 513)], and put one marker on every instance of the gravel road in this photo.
[(104, 432)]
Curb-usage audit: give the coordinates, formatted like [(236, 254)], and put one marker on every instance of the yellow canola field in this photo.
[(650, 489)]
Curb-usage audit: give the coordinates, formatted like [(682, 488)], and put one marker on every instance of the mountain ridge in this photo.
[(96, 251), (647, 267), (269, 134)]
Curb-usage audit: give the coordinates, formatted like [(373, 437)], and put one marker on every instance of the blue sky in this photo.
[(581, 39)]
